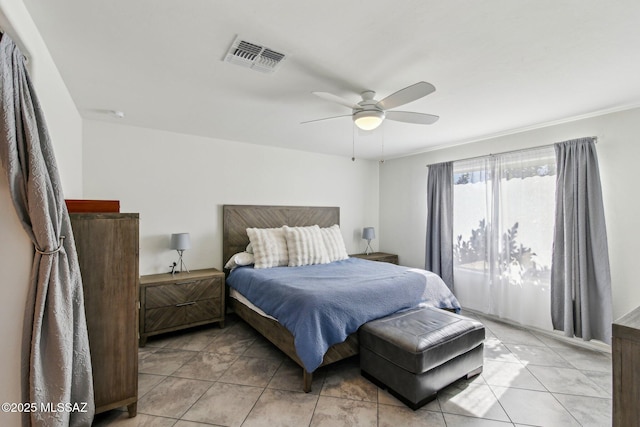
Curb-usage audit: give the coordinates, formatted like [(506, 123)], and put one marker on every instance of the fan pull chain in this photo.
[(353, 142), (382, 144)]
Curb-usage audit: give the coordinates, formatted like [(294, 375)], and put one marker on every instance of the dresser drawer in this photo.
[(182, 314), (182, 292)]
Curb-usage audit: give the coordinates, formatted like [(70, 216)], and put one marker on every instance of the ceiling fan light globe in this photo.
[(368, 120)]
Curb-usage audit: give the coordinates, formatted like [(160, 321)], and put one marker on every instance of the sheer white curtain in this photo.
[(503, 234)]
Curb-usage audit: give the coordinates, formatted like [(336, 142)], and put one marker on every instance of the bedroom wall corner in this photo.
[(62, 117), (403, 209)]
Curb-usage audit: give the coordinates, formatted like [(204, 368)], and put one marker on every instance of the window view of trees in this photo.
[(516, 262)]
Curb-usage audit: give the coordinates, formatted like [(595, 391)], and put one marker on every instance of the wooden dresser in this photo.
[(626, 369), (169, 302), (378, 256), (107, 245)]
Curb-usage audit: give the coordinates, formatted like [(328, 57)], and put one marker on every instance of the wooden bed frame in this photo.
[(236, 219)]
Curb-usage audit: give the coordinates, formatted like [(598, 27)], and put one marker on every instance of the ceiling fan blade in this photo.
[(406, 95), (326, 118), (411, 117), (335, 98)]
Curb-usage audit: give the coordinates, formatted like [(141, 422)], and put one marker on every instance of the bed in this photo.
[(236, 220)]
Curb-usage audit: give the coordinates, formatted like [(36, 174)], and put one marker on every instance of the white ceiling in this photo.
[(497, 65)]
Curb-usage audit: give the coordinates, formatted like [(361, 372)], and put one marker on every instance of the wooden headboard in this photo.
[(237, 218)]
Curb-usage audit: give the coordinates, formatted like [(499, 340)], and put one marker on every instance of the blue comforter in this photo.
[(322, 304)]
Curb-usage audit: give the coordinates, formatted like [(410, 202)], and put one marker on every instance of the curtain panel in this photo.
[(439, 247), (503, 228), (580, 275), (56, 363)]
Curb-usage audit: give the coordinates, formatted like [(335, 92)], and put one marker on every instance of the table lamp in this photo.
[(368, 233), (181, 242)]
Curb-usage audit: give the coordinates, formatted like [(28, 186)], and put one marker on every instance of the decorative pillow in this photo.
[(334, 243), (306, 246), (249, 248), (269, 247), (239, 259)]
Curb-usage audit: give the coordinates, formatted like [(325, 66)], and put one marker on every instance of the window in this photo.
[(503, 234)]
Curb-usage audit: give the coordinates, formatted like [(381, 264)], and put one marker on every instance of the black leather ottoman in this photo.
[(418, 352)]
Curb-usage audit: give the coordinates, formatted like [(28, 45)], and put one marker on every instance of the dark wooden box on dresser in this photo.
[(107, 245), (170, 302)]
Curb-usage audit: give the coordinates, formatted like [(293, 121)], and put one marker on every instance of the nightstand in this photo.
[(378, 256), (169, 302)]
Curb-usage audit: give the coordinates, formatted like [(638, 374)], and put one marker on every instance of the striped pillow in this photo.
[(334, 243), (269, 247), (305, 245)]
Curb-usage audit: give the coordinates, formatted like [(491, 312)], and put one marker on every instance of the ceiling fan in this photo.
[(369, 113)]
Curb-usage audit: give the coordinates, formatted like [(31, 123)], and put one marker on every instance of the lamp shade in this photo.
[(180, 241), (368, 233)]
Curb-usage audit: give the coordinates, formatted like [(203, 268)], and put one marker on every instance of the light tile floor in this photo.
[(234, 377)]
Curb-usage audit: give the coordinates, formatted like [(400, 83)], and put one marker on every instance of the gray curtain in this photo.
[(56, 365), (439, 250), (580, 275)]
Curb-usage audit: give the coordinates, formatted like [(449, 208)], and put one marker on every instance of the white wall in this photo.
[(62, 117), (178, 183), (403, 192), (16, 251)]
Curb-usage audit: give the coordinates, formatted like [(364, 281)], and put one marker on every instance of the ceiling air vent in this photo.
[(254, 56)]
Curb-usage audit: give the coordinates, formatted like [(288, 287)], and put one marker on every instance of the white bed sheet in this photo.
[(238, 296)]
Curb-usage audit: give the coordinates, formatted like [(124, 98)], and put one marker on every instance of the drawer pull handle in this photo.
[(186, 283), (185, 303)]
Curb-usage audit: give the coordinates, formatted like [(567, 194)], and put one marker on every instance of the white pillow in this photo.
[(334, 243), (306, 246), (269, 247), (239, 259)]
